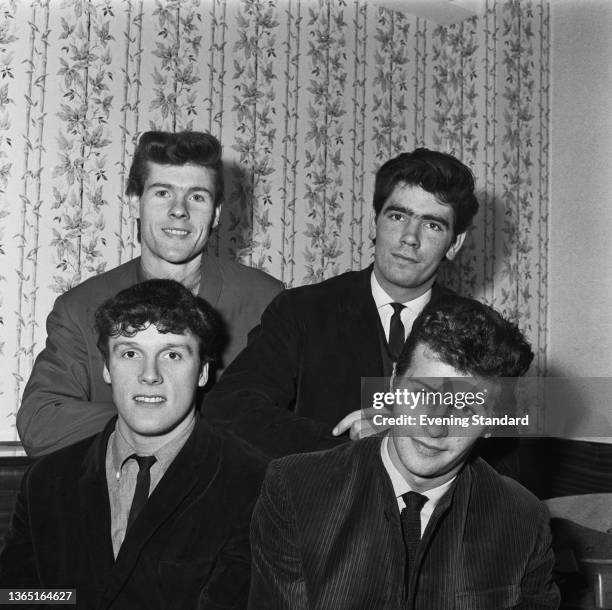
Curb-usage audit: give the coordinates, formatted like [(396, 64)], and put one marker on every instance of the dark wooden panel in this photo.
[(11, 471)]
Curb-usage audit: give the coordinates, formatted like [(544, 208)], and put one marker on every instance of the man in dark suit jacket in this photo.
[(300, 374), (411, 519), (176, 183), (153, 512)]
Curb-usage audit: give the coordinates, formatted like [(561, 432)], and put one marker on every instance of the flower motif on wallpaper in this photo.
[(389, 96), (83, 138), (176, 77), (325, 139), (255, 69)]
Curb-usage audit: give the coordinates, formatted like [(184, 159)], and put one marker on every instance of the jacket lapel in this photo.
[(361, 323), (193, 468), (94, 508), (211, 281)]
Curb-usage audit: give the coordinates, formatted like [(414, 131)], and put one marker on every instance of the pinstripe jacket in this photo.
[(326, 535)]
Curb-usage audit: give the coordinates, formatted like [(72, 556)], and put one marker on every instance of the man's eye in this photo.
[(161, 193), (173, 356), (197, 197), (434, 226), (396, 216), (129, 354)]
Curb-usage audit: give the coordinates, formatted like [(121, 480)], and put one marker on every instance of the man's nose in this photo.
[(150, 373), (178, 209), (432, 428), (411, 233)]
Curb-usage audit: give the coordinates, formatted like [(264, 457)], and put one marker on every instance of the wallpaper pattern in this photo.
[(308, 97)]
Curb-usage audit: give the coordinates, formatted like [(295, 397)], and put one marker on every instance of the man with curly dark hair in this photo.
[(152, 512), (412, 518)]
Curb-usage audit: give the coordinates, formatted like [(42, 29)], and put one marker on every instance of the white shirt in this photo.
[(383, 303), (400, 487)]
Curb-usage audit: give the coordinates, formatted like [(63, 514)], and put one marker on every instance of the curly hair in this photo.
[(167, 148), (438, 173), (170, 307), (470, 336)]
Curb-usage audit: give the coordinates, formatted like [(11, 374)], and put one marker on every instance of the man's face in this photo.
[(430, 455), (177, 211), (154, 378), (414, 233)]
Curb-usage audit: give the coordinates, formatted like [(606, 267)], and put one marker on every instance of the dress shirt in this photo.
[(383, 303), (400, 487), (121, 473)]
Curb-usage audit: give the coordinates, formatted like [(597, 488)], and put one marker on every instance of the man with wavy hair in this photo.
[(176, 186), (411, 518)]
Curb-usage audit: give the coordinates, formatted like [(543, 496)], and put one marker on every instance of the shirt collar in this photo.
[(381, 298), (400, 485), (121, 449)]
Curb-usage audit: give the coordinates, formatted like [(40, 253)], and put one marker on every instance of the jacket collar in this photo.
[(211, 281), (196, 464)]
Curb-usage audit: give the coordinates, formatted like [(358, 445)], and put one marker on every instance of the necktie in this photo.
[(411, 527), (396, 332), (143, 482)]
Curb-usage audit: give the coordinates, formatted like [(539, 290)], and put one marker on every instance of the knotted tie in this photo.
[(411, 527), (397, 334), (143, 482)]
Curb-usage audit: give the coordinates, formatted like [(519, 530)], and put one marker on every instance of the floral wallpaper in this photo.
[(309, 98)]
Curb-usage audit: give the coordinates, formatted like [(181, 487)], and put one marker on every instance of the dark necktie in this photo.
[(143, 482), (396, 332), (411, 527)]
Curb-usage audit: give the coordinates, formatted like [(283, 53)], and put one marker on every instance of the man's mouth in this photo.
[(426, 449), (403, 257), (176, 232), (149, 399)]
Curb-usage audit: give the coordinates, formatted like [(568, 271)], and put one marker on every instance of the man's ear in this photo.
[(217, 217), (455, 246), (203, 378), (373, 228), (106, 374), (134, 203)]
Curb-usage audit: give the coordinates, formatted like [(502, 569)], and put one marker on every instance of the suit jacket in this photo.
[(66, 399), (326, 534), (301, 371), (187, 549)]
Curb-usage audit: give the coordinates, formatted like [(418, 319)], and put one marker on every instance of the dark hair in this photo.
[(166, 304), (438, 173), (168, 148), (470, 336)]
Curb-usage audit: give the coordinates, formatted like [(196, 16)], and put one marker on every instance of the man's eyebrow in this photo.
[(172, 187), (127, 343), (394, 207)]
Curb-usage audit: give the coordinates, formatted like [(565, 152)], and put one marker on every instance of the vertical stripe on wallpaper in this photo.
[(541, 296), (358, 160), (420, 83), (290, 158), (8, 36), (177, 79), (255, 71), (126, 234), (470, 140), (83, 137), (390, 85), (511, 158), (325, 139), (214, 96), (489, 198), (27, 271)]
